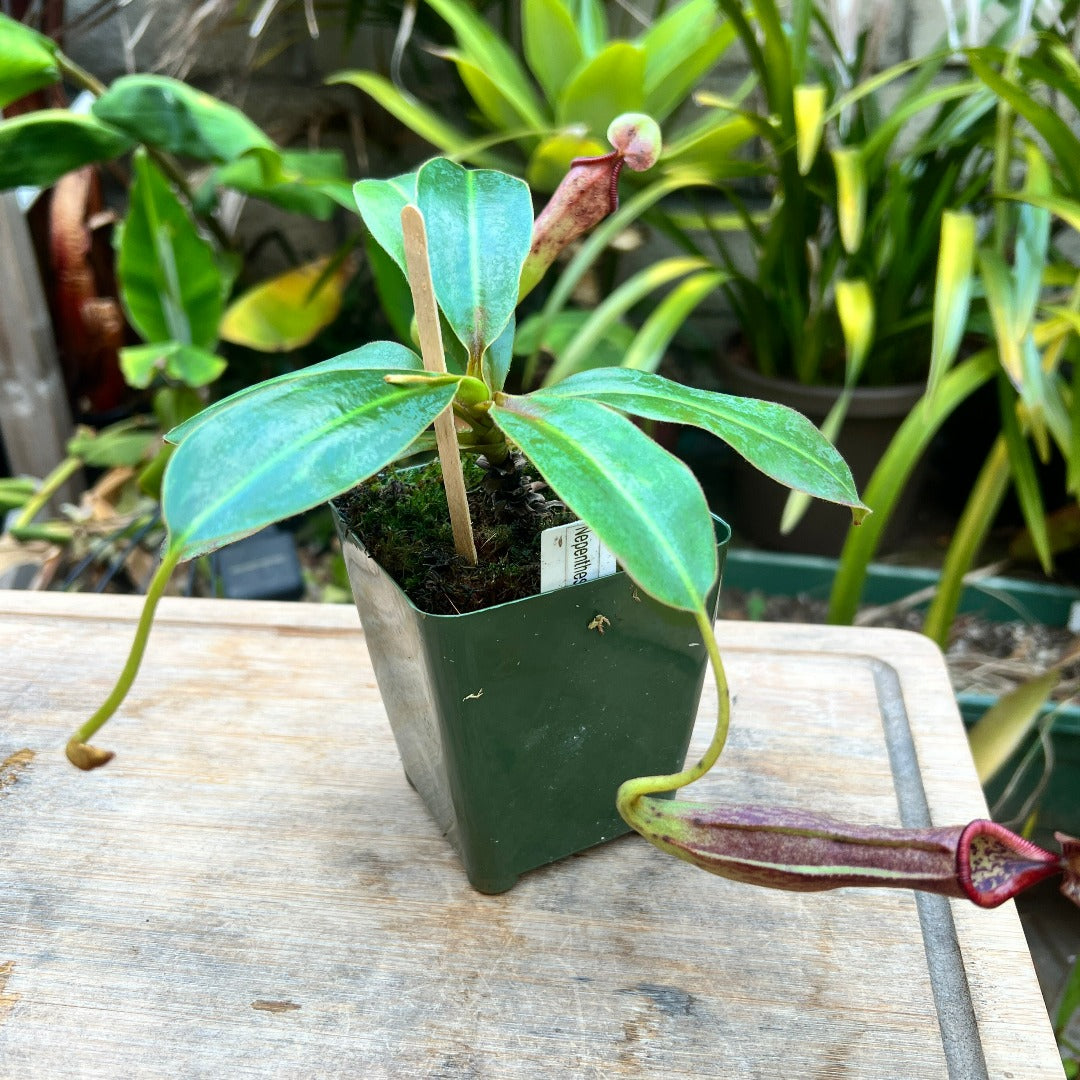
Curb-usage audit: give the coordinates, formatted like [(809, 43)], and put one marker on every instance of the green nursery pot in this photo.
[(517, 724)]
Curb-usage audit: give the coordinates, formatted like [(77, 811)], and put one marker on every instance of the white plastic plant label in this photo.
[(571, 555)]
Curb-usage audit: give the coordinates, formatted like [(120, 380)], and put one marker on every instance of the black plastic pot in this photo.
[(516, 724)]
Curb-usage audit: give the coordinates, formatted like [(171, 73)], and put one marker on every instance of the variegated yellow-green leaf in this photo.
[(809, 123), (288, 310), (1002, 729), (855, 308), (952, 291), (850, 196)]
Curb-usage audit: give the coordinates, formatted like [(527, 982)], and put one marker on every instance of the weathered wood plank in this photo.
[(257, 891)]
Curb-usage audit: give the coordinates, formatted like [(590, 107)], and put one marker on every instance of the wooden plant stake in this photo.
[(431, 350)]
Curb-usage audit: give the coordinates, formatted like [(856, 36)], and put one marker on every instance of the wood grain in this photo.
[(251, 889)]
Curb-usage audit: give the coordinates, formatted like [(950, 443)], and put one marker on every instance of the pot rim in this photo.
[(720, 526)]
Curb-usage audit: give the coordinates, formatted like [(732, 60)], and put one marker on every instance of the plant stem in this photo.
[(49, 487), (165, 162), (633, 790), (78, 752)]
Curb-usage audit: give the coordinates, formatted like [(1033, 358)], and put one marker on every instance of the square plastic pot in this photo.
[(516, 724)]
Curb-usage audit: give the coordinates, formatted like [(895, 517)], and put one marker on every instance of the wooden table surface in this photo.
[(251, 889)]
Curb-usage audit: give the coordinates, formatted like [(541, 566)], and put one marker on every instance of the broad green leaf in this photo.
[(40, 147), (287, 447), (380, 203), (414, 115), (611, 83), (850, 196), (576, 355), (169, 280), (1001, 730), (550, 42), (312, 182), (680, 48), (376, 355), (551, 160), (287, 311), (656, 333), (27, 61), (810, 102), (170, 115), (644, 504), (180, 363), (952, 291), (480, 227), (777, 440), (492, 55)]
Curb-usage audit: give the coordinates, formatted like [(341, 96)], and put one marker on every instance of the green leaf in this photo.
[(644, 504), (312, 182), (551, 159), (1001, 302), (656, 333), (576, 356), (1002, 729), (395, 299), (501, 110), (550, 42), (497, 360), (1032, 237), (777, 440), (609, 351), (952, 291), (178, 362), (27, 61), (380, 203), (891, 475), (169, 280), (40, 147), (122, 445), (287, 311), (480, 228), (492, 55), (1025, 480), (850, 196), (170, 115), (680, 47), (1057, 133), (710, 145), (1070, 1000), (611, 83), (286, 447), (415, 116), (591, 21), (810, 102), (382, 355)]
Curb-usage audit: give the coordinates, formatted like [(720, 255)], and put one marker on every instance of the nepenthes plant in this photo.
[(468, 236)]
